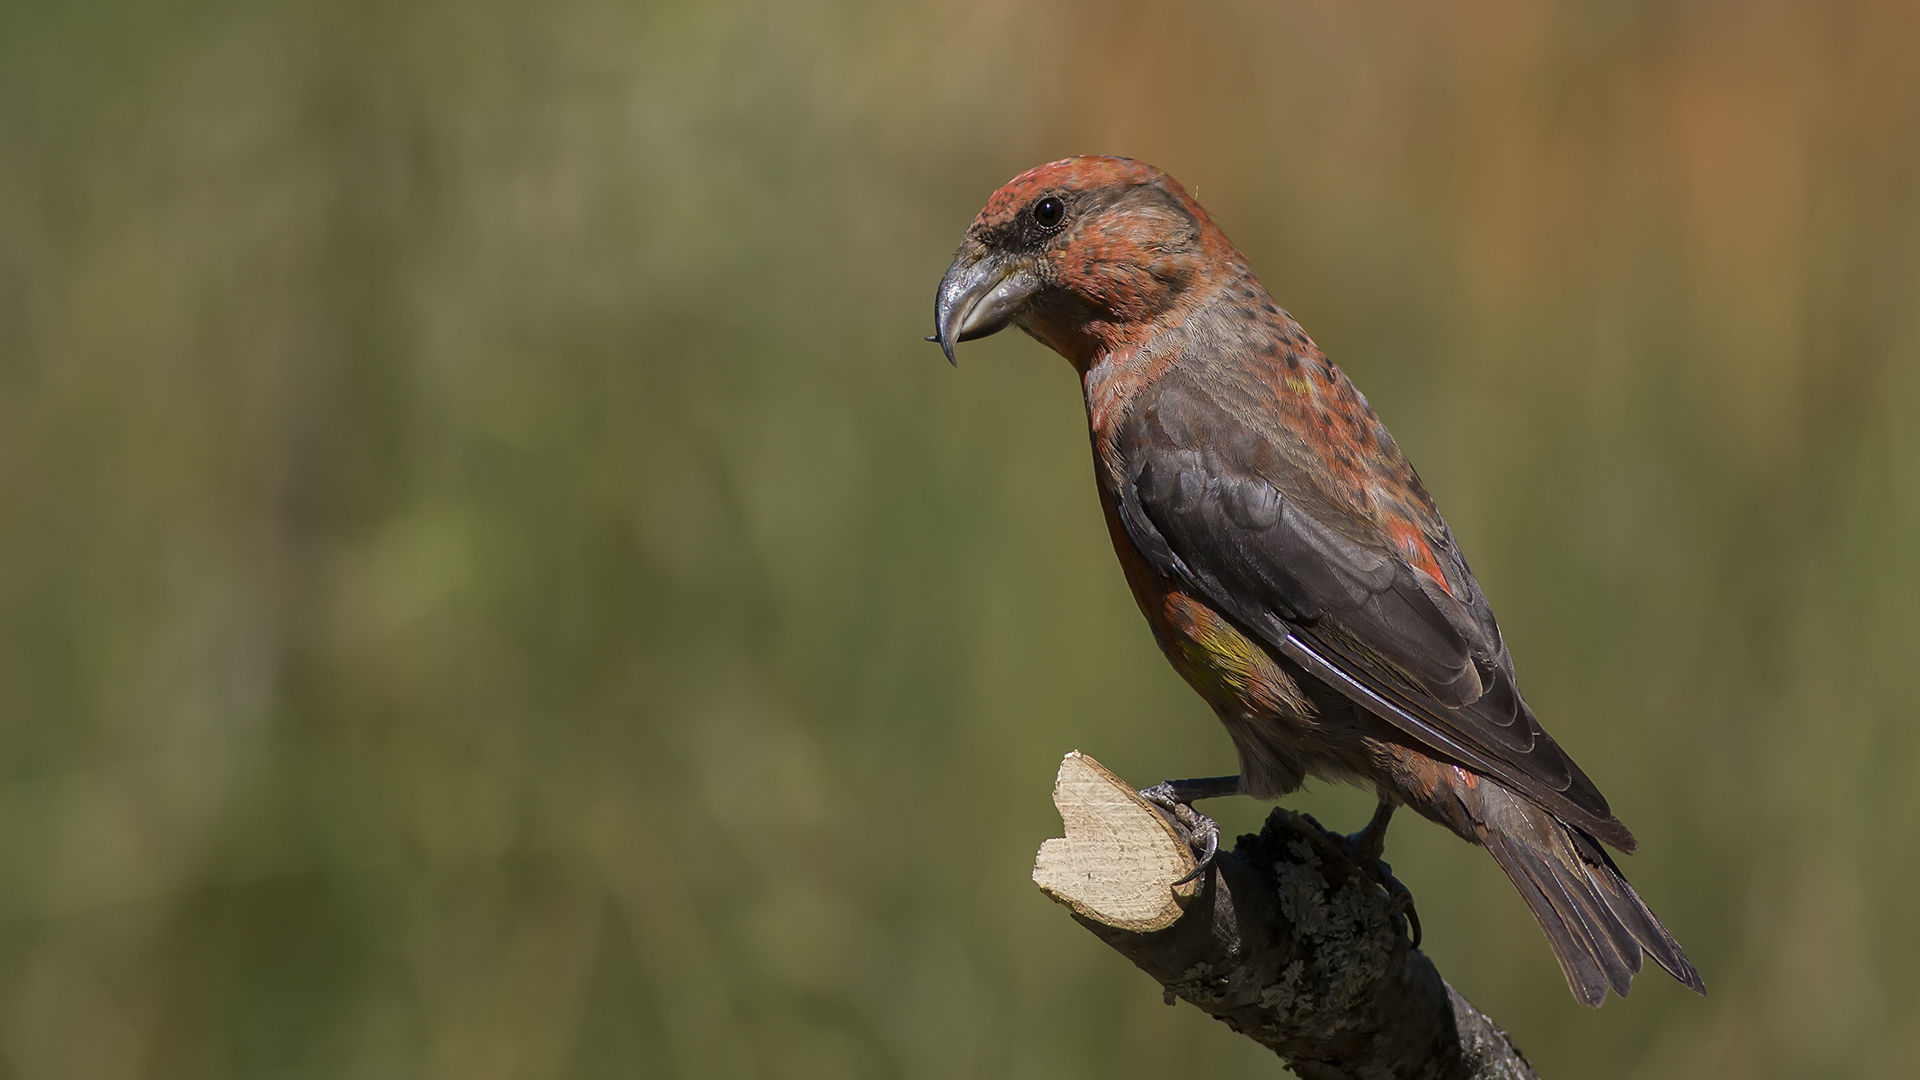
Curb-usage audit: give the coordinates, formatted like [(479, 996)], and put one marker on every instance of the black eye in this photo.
[(1049, 211)]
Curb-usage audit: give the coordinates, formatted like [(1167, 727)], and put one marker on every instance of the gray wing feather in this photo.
[(1218, 507)]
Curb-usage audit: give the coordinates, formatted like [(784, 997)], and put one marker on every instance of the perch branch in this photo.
[(1284, 939)]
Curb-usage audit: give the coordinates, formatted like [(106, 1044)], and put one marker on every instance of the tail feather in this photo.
[(1594, 951), (1597, 925), (1634, 914)]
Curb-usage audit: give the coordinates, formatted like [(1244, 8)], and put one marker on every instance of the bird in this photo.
[(1291, 564)]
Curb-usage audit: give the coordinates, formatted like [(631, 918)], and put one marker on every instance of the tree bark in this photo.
[(1283, 939)]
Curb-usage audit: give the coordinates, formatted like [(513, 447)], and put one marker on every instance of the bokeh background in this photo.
[(492, 585)]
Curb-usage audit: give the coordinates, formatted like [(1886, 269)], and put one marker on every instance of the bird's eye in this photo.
[(1049, 211)]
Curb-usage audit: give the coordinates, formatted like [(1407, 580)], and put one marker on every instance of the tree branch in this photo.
[(1284, 940)]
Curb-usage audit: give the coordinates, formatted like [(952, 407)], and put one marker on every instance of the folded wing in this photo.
[(1216, 492)]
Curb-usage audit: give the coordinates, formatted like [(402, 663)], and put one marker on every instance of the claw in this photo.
[(1202, 833), (1365, 848), (1403, 900)]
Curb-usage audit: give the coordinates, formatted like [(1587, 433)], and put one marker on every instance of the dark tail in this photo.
[(1598, 926)]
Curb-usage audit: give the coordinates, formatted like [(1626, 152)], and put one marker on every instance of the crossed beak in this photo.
[(981, 294)]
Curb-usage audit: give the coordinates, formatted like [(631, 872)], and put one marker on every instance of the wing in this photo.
[(1214, 491)]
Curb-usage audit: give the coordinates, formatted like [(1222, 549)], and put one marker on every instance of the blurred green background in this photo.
[(492, 585)]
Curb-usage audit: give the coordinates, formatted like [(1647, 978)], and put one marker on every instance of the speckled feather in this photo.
[(1294, 568)]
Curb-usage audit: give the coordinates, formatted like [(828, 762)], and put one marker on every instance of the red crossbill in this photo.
[(1291, 564)]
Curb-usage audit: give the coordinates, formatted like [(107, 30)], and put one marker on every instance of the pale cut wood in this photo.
[(1120, 857), (1284, 939)]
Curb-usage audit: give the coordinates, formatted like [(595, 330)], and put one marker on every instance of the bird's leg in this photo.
[(1365, 848), (1190, 791), (1175, 798), (1370, 843)]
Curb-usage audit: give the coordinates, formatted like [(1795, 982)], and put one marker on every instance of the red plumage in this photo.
[(1293, 567)]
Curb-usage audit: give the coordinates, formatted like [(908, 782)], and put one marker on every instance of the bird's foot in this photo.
[(1175, 799), (1365, 847)]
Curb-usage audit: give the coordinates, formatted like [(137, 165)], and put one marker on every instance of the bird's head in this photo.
[(1084, 254)]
